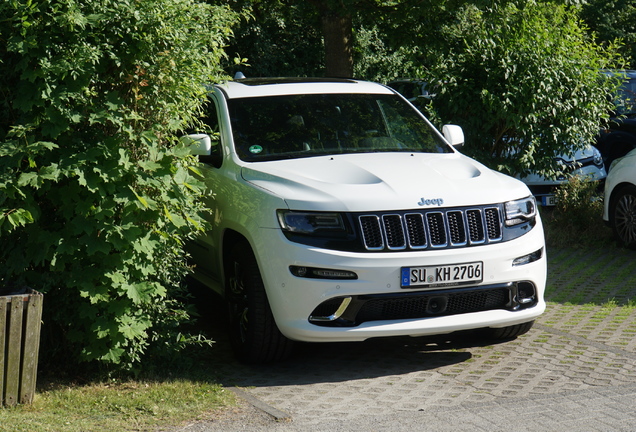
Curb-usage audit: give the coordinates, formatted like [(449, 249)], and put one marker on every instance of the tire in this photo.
[(510, 332), (623, 216), (253, 333)]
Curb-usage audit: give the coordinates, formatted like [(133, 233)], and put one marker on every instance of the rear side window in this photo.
[(284, 127)]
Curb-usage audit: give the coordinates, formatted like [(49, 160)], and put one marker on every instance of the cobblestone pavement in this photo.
[(575, 371)]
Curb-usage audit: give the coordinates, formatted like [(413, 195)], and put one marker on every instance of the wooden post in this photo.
[(4, 301), (20, 322)]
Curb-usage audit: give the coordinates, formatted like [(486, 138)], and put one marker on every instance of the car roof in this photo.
[(260, 87)]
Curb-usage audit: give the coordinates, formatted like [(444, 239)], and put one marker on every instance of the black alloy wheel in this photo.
[(253, 332), (623, 216)]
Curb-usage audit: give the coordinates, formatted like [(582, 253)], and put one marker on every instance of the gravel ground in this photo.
[(574, 371)]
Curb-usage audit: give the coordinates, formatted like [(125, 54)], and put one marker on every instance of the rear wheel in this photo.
[(253, 332), (623, 216), (510, 332)]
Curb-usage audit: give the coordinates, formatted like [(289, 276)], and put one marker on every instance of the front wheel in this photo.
[(253, 332), (623, 216)]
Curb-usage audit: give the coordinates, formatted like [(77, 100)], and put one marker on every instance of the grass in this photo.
[(591, 276), (163, 397), (134, 405)]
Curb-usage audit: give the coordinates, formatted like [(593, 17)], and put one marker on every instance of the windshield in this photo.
[(626, 103), (285, 127)]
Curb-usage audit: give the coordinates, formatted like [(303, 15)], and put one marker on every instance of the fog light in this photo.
[(525, 293), (321, 273), (527, 259)]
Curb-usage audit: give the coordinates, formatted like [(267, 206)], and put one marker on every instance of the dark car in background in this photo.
[(618, 137)]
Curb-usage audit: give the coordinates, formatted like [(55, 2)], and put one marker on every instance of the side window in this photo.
[(211, 121), (211, 127)]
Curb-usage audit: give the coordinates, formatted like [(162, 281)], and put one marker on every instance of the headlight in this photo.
[(520, 211), (598, 158), (311, 222)]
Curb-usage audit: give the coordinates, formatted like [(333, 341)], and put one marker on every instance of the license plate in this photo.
[(441, 276), (548, 200)]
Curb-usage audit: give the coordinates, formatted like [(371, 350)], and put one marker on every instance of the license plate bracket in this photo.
[(442, 275)]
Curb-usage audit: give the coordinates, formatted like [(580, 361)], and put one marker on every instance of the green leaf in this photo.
[(95, 293), (113, 355), (28, 179), (141, 199), (18, 217), (133, 328), (140, 293)]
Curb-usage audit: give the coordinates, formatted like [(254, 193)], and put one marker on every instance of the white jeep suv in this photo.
[(339, 213)]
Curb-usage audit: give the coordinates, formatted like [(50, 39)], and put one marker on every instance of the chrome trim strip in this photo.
[(339, 312)]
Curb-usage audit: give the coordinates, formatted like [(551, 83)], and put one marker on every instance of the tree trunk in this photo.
[(338, 34)]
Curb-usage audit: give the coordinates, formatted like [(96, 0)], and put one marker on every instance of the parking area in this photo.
[(575, 370)]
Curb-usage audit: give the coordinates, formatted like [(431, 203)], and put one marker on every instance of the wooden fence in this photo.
[(20, 322)]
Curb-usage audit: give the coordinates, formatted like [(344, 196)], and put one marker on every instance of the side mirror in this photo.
[(201, 145), (454, 135)]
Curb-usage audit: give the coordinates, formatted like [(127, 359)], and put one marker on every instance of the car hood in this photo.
[(584, 153), (383, 181)]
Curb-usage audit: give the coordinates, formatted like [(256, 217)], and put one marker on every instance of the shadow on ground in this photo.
[(313, 363)]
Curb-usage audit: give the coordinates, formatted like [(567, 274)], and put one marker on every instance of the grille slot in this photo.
[(493, 224), (436, 229), (456, 228), (475, 225), (413, 307), (371, 232), (431, 229), (416, 305), (415, 230), (394, 231)]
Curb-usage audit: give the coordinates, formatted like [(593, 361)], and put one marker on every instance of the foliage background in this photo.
[(522, 79), (97, 195)]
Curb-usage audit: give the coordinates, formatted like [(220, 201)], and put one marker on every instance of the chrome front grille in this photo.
[(414, 230)]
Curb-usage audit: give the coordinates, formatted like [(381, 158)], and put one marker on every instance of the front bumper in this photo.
[(312, 310), (351, 311)]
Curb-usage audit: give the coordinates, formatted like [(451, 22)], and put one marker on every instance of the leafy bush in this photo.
[(98, 196), (522, 79), (577, 217), (279, 38), (375, 60), (579, 200)]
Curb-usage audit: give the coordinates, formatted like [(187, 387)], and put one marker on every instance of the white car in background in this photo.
[(620, 199), (586, 163)]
